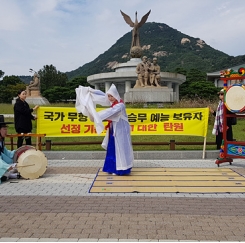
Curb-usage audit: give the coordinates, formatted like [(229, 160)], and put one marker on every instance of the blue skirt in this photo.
[(110, 159)]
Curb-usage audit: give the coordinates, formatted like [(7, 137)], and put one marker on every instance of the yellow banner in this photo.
[(66, 122)]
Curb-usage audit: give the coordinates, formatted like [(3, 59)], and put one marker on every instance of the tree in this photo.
[(181, 70), (9, 88), (61, 94), (195, 75), (74, 83), (56, 94), (1, 73), (50, 77), (196, 86), (11, 80), (203, 90)]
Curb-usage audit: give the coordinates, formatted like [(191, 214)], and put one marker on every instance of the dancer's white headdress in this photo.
[(113, 91)]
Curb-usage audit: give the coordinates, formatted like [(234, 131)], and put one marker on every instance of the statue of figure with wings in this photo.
[(135, 25)]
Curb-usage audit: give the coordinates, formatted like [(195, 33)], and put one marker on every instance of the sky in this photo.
[(71, 33)]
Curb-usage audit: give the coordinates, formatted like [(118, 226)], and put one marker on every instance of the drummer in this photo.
[(7, 166)]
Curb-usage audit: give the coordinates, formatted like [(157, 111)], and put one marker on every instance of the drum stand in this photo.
[(231, 149), (223, 160)]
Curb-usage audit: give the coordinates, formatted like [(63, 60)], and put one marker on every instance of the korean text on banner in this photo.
[(66, 122)]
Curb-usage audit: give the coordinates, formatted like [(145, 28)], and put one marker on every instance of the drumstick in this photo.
[(24, 165)]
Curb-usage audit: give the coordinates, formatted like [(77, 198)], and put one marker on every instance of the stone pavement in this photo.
[(58, 207)]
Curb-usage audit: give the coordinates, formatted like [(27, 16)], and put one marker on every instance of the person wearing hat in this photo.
[(7, 166), (218, 122), (117, 142), (119, 155)]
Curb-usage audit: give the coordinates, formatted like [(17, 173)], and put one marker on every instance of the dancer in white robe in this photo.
[(119, 157)]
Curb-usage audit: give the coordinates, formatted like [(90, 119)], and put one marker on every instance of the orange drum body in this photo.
[(235, 98), (31, 163)]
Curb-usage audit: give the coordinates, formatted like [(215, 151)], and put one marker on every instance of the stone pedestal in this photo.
[(34, 93), (39, 100), (34, 98), (150, 94)]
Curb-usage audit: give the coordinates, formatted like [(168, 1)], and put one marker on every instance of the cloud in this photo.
[(12, 19)]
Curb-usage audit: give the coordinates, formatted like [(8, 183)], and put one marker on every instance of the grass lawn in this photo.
[(238, 134)]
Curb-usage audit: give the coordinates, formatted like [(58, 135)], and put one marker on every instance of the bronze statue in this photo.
[(34, 84), (135, 25), (142, 71), (148, 73), (155, 73)]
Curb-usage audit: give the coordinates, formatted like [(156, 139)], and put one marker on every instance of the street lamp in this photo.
[(32, 71)]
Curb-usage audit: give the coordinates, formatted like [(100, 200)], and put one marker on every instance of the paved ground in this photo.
[(58, 207)]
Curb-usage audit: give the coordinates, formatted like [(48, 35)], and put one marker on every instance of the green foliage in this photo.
[(62, 94), (26, 79), (13, 89), (74, 83), (56, 94), (1, 73), (195, 75), (165, 41), (9, 88), (196, 86), (203, 90), (11, 80), (180, 70), (50, 77)]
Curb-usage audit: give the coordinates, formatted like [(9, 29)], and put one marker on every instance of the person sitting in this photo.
[(7, 166), (155, 73), (34, 84)]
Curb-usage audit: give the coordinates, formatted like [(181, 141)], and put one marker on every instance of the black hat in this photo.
[(3, 123)]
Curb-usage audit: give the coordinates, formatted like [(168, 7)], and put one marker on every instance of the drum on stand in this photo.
[(31, 163), (235, 98)]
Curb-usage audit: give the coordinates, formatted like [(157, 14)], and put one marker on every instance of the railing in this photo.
[(48, 143), (38, 139), (171, 143)]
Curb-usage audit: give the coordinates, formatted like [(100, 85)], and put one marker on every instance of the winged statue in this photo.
[(135, 25)]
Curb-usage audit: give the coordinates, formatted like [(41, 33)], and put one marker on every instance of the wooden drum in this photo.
[(235, 98), (21, 150), (31, 163)]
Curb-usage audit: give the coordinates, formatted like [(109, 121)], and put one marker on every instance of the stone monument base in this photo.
[(34, 93), (150, 94), (31, 100), (34, 100)]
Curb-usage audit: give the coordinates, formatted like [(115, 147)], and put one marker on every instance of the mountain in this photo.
[(26, 79), (172, 48)]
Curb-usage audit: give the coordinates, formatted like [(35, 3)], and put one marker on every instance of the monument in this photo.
[(34, 88), (135, 50), (139, 80), (33, 95)]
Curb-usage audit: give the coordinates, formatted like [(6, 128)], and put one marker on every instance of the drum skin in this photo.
[(235, 98), (32, 164), (21, 150)]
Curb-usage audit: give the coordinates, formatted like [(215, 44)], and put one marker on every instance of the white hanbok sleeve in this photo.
[(86, 100), (112, 113)]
